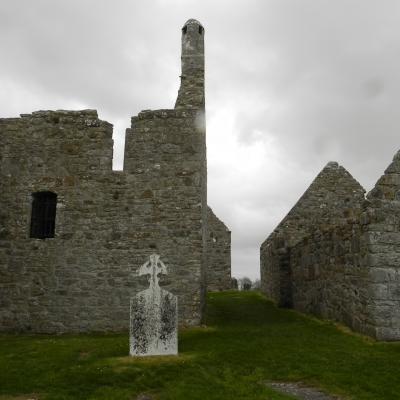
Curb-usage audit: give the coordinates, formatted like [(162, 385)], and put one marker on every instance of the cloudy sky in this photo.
[(291, 85)]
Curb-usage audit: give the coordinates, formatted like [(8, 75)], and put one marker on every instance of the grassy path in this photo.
[(247, 341)]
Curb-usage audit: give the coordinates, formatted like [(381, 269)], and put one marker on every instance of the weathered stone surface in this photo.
[(330, 276), (154, 315), (219, 254), (191, 92), (337, 254), (333, 197), (382, 235), (106, 221)]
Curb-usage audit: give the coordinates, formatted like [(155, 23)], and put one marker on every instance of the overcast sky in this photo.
[(290, 85)]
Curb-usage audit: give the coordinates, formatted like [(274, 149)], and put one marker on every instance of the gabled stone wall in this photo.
[(219, 254), (334, 197), (343, 262), (383, 221)]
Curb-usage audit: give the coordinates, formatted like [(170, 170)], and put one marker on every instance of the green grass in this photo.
[(247, 341)]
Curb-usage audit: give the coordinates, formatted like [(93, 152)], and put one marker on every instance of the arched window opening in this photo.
[(184, 30), (201, 29), (43, 216)]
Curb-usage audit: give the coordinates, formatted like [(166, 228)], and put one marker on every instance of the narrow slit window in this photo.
[(43, 217), (184, 30), (200, 30)]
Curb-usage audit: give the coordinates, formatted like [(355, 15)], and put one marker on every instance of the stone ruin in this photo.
[(71, 228), (337, 253)]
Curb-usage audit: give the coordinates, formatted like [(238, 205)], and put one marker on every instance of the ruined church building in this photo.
[(337, 253), (73, 232)]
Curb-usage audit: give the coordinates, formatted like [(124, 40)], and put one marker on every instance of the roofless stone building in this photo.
[(337, 253), (73, 231)]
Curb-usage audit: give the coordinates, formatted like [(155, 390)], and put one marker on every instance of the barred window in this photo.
[(43, 215)]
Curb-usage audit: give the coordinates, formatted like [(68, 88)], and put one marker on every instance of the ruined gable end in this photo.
[(382, 224), (218, 254), (343, 263), (333, 197), (388, 185)]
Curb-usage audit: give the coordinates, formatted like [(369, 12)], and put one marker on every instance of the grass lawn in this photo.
[(247, 341)]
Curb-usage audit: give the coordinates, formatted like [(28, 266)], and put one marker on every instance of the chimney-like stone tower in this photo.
[(191, 92), (165, 150), (191, 96)]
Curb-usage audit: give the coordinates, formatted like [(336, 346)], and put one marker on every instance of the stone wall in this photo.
[(275, 270), (343, 262), (107, 222), (219, 254), (165, 151), (330, 278), (383, 221), (333, 197)]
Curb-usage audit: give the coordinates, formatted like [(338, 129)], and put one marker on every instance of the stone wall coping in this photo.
[(164, 113), (89, 116)]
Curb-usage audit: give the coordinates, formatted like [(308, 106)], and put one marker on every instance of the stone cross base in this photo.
[(153, 324)]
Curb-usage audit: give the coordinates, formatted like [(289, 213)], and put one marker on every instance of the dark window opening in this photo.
[(184, 30), (43, 215), (201, 30)]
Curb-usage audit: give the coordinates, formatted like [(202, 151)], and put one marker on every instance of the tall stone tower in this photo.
[(191, 97), (191, 92), (166, 151)]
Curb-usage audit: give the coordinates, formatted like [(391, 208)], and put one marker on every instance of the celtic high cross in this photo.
[(153, 267)]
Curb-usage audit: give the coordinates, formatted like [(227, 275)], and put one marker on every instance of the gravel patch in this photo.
[(301, 391)]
